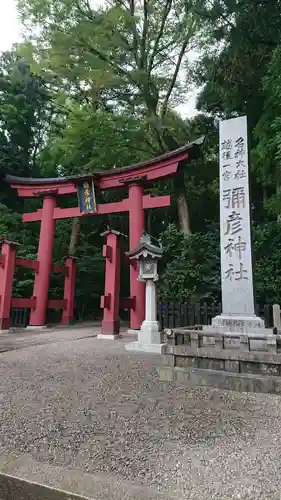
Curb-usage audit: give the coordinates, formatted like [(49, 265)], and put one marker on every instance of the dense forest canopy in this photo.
[(92, 87)]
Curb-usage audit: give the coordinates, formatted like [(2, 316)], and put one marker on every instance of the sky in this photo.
[(10, 33), (9, 24)]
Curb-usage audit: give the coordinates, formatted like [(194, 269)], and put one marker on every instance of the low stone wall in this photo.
[(230, 361)]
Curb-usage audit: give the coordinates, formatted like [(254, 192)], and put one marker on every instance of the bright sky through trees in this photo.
[(10, 33)]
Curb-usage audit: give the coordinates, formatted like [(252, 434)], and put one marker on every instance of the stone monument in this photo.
[(147, 254), (238, 305)]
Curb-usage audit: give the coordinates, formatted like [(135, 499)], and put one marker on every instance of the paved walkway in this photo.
[(85, 415), (19, 339)]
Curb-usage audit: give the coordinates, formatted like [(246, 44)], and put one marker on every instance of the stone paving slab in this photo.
[(13, 488), (88, 407), (93, 486), (21, 339)]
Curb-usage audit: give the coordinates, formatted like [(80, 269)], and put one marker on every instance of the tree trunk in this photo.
[(149, 222), (183, 214), (74, 238), (182, 203), (278, 190)]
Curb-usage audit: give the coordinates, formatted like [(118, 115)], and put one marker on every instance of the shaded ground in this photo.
[(87, 406)]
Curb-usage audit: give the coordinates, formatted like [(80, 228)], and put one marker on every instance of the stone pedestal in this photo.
[(248, 326), (149, 339), (105, 336), (239, 323)]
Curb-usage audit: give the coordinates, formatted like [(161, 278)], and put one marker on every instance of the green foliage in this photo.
[(267, 244), (239, 73), (191, 267), (95, 140)]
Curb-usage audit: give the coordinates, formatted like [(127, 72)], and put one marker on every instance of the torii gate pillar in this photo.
[(110, 300), (44, 257), (136, 222)]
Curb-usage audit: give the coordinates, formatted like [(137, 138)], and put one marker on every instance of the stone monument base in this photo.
[(250, 326), (238, 323), (149, 339)]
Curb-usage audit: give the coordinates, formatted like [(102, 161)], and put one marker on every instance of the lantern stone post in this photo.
[(149, 337)]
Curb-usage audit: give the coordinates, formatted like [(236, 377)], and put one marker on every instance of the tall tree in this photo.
[(241, 38), (128, 55), (24, 110)]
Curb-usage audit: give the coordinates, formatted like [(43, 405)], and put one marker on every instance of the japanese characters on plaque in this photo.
[(235, 224), (86, 197)]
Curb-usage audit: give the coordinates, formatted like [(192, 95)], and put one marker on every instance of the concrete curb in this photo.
[(220, 380), (15, 488)]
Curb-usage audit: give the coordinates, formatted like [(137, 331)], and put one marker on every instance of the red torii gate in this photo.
[(135, 177)]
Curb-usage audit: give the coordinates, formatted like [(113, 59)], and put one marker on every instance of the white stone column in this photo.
[(150, 301), (149, 338)]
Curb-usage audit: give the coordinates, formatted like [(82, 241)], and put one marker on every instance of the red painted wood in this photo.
[(59, 269), (136, 225), (156, 201), (163, 171), (27, 263), (105, 301), (107, 252), (6, 283), (106, 208), (110, 301), (36, 190), (66, 213), (69, 291), (44, 257), (2, 260), (22, 302), (159, 169), (56, 304), (128, 303)]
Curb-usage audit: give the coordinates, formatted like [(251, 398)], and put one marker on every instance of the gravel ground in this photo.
[(90, 405)]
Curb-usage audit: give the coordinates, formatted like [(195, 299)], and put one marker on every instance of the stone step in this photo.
[(24, 478)]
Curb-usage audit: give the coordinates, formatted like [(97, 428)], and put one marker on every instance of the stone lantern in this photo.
[(147, 254)]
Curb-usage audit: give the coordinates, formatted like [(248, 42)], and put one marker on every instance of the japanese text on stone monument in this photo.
[(235, 228)]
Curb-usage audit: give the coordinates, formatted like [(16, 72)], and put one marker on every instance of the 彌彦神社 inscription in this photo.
[(235, 221)]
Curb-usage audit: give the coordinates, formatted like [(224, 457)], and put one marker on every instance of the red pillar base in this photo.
[(66, 321), (4, 323), (110, 327)]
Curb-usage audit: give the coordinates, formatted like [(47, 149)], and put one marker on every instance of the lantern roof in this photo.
[(146, 248)]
